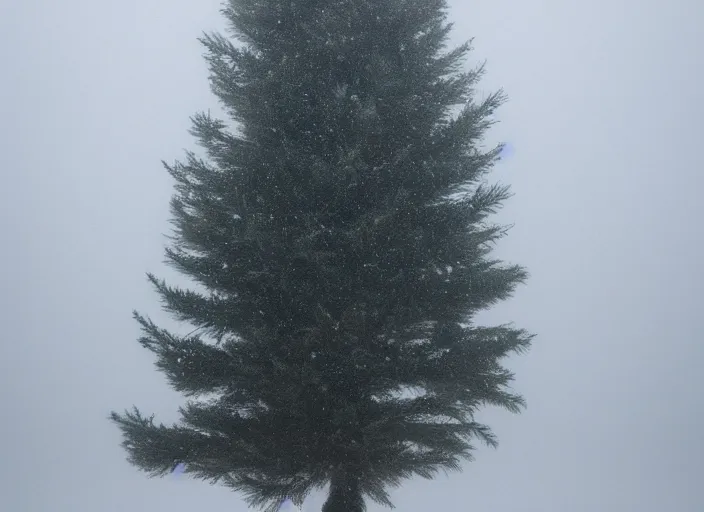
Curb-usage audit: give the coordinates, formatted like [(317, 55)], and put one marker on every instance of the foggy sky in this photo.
[(605, 113)]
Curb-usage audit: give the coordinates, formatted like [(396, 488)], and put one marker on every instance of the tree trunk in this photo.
[(344, 494)]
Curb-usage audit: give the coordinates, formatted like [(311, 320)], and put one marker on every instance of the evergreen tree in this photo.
[(335, 340)]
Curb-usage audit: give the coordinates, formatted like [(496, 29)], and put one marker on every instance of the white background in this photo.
[(605, 115)]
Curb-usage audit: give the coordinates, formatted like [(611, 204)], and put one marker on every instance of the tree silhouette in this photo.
[(340, 232)]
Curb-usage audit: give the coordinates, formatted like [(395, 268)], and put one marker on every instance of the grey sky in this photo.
[(605, 114)]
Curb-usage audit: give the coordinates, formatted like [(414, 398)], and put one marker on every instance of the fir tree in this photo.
[(340, 232)]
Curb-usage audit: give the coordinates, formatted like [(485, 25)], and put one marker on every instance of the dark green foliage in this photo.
[(339, 274)]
